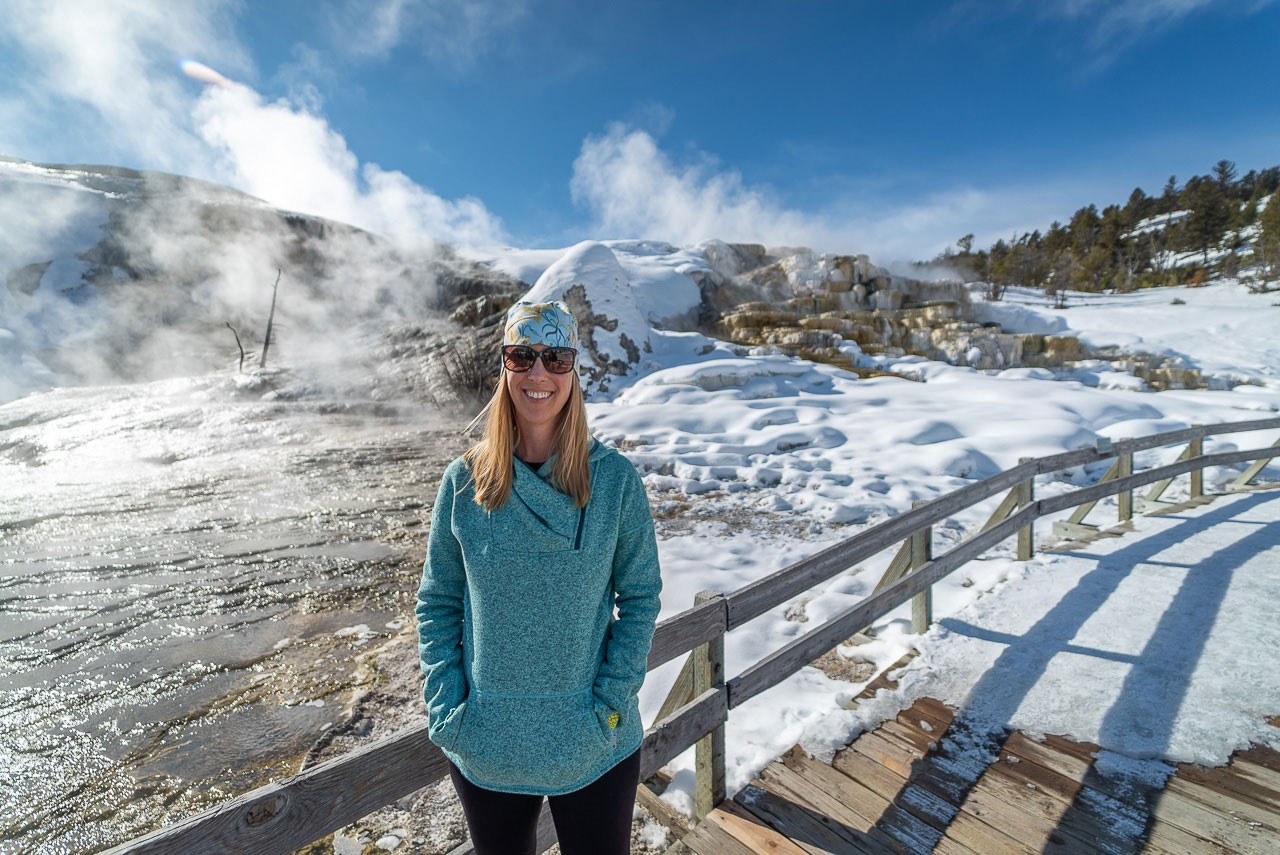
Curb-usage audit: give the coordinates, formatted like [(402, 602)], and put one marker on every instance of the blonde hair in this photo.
[(491, 460)]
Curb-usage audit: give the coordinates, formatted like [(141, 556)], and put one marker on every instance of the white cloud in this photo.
[(115, 65), (454, 33), (1118, 24), (294, 159), (634, 189)]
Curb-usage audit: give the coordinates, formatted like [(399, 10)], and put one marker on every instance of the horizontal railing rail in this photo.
[(288, 814)]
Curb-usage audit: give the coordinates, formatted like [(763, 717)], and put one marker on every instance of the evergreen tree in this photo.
[(1084, 227), (1210, 215), (1268, 244), (1225, 172), (1139, 206), (1169, 197)]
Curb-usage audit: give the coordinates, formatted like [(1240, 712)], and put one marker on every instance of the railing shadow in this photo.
[(1140, 723), (982, 726)]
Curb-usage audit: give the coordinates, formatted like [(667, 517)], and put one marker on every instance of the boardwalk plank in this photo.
[(912, 815), (971, 832), (948, 766), (710, 838), (863, 806), (1055, 817), (868, 773), (935, 709), (889, 754), (998, 803), (1031, 831), (1166, 839), (919, 740), (1058, 757), (904, 829), (938, 778), (1123, 820), (1226, 803), (1228, 831), (923, 720), (1267, 758), (1265, 778), (934, 790), (808, 829), (920, 783), (803, 780), (1230, 783), (745, 833)]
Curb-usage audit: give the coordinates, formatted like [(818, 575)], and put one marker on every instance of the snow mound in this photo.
[(613, 331)]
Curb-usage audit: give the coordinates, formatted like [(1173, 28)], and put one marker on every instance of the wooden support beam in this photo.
[(672, 735), (898, 567), (1196, 449), (1152, 499), (708, 674), (681, 690), (1026, 534), (921, 544), (1002, 512), (1125, 497), (1242, 483), (1063, 530), (1078, 515), (1147, 506)]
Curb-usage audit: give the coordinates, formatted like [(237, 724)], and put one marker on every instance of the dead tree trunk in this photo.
[(266, 340), (238, 344)]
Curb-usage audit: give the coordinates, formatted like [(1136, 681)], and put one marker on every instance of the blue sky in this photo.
[(885, 128)]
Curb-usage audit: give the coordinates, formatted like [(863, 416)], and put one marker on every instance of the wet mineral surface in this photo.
[(198, 579)]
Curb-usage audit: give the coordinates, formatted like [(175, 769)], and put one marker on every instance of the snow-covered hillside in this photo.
[(112, 275)]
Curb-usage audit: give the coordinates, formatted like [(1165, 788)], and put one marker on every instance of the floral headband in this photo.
[(551, 324)]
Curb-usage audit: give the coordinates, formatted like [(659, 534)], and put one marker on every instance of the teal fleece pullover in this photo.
[(525, 661)]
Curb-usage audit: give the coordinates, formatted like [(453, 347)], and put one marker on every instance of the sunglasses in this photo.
[(520, 358)]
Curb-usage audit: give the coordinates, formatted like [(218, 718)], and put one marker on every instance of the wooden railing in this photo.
[(288, 814)]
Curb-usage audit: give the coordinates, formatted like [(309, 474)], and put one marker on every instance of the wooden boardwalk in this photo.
[(927, 782)]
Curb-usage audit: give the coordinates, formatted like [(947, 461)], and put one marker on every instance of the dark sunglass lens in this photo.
[(518, 358), (559, 359)]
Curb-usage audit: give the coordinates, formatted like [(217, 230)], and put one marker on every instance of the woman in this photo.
[(537, 533)]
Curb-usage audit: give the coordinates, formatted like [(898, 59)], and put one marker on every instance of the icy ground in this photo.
[(191, 574)]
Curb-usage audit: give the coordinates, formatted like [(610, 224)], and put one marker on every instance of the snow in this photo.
[(1223, 330), (1158, 223)]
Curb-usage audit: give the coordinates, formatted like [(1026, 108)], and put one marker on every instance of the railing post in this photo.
[(921, 603), (1194, 450), (1125, 497), (1026, 535), (708, 672)]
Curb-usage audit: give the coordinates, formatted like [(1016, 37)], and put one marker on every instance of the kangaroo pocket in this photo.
[(531, 743)]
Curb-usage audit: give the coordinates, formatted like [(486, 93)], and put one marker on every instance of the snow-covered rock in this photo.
[(613, 332)]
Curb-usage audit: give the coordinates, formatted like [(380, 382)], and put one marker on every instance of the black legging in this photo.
[(595, 820)]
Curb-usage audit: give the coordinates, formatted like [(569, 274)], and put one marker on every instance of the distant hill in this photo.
[(1214, 225), (110, 274)]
